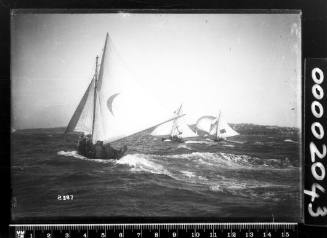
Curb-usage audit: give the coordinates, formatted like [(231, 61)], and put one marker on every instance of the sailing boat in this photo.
[(177, 129), (216, 127), (112, 107)]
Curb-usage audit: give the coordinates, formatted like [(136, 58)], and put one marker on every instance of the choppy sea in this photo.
[(254, 175)]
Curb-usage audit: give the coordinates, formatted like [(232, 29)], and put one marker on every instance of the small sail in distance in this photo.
[(215, 126), (177, 127)]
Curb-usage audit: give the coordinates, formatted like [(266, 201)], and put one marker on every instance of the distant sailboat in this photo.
[(215, 127), (113, 106), (176, 130)]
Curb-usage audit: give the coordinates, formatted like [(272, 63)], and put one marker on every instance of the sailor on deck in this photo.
[(100, 152), (81, 145), (89, 147), (111, 152)]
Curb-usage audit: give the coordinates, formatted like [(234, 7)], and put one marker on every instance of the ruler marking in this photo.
[(238, 229)]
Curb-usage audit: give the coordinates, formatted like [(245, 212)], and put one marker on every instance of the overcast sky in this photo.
[(246, 65)]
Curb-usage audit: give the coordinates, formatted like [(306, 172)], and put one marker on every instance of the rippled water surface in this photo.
[(249, 176)]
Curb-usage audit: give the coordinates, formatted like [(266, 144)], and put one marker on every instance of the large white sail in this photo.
[(120, 107), (215, 126), (177, 127)]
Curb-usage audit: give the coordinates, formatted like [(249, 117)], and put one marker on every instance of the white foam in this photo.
[(188, 174), (228, 145), (75, 155), (291, 141), (142, 163), (208, 142), (229, 161), (71, 154), (184, 146), (216, 188)]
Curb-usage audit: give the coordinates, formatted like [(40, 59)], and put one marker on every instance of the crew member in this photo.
[(81, 145), (100, 152), (89, 146), (110, 152)]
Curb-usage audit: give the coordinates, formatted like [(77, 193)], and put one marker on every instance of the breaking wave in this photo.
[(291, 141), (232, 161), (184, 146), (142, 163)]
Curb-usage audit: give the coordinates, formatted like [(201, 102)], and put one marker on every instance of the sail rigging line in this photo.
[(78, 111), (98, 81), (159, 124), (175, 126), (218, 119), (100, 76), (95, 95)]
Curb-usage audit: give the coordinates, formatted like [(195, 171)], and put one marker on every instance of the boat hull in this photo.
[(114, 155), (173, 139)]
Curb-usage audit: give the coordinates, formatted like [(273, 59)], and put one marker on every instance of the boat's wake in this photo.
[(75, 155)]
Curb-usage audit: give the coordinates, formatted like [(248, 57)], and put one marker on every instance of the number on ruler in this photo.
[(195, 234), (249, 234), (213, 234), (266, 234), (231, 234), (103, 235)]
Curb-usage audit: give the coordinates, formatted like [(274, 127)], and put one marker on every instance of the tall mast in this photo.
[(95, 93), (218, 119), (177, 112)]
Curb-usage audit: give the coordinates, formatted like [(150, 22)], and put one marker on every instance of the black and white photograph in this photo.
[(156, 115)]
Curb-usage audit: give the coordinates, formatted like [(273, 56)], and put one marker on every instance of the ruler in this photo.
[(156, 230)]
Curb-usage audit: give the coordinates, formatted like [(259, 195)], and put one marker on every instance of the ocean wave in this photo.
[(231, 161), (249, 189), (258, 143), (228, 145), (291, 141), (188, 174), (183, 168), (184, 146), (142, 163), (208, 142)]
